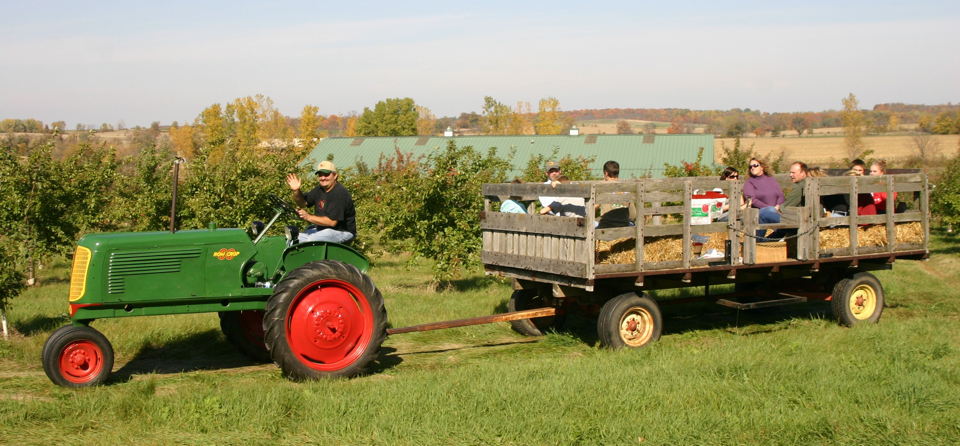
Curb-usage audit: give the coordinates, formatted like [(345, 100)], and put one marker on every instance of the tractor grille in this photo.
[(127, 264)]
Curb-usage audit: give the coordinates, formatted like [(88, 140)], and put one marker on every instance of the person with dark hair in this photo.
[(611, 171), (614, 215), (763, 192), (865, 204), (858, 166), (730, 173)]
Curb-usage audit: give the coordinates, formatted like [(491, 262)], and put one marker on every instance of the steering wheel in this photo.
[(281, 205)]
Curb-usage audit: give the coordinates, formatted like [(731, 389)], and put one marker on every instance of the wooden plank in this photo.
[(534, 224), (853, 218), (502, 317), (687, 216), (640, 228), (812, 241), (891, 207), (657, 209), (662, 230), (660, 196), (750, 217), (611, 268), (925, 212), (615, 198), (536, 263), (533, 191), (608, 234)]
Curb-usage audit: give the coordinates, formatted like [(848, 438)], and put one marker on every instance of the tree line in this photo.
[(403, 117)]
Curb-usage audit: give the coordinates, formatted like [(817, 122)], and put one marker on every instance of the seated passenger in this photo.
[(614, 215), (878, 168), (565, 206), (513, 206), (865, 204), (763, 192), (729, 174), (552, 169)]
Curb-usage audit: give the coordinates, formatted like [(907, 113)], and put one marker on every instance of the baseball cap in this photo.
[(550, 165), (326, 167)]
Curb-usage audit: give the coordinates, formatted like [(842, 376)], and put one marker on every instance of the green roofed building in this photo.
[(638, 155)]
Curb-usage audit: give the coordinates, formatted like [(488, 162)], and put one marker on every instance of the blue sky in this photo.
[(165, 61)]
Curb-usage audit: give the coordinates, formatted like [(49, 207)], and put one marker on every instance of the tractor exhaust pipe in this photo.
[(173, 204)]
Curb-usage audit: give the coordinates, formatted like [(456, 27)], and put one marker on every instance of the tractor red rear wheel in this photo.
[(244, 329), (325, 319), (77, 356)]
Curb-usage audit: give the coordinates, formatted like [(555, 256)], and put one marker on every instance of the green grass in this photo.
[(778, 376)]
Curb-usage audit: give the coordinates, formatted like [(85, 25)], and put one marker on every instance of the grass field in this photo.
[(786, 375)]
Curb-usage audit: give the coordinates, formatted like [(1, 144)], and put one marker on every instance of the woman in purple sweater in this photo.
[(764, 193)]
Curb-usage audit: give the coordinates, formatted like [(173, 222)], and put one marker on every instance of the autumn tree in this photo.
[(519, 120), (426, 121), (389, 117), (212, 126), (624, 128), (496, 117), (309, 129), (854, 123), (800, 123), (245, 117), (184, 141), (350, 127), (471, 120), (549, 119)]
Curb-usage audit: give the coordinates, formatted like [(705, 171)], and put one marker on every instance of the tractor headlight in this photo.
[(78, 278)]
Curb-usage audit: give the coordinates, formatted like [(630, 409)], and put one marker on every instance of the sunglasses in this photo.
[(324, 174), (734, 176), (754, 165)]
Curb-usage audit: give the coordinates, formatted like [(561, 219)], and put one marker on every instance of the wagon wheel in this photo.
[(528, 299), (77, 356), (858, 299), (244, 329), (629, 320), (325, 319)]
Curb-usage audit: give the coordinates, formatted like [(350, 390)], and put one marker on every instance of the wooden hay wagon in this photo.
[(559, 263)]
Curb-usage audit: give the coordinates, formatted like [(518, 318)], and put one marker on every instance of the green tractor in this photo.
[(308, 307)]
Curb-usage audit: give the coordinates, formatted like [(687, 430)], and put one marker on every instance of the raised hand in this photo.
[(293, 181)]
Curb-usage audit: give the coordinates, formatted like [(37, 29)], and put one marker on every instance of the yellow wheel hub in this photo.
[(636, 327), (863, 302)]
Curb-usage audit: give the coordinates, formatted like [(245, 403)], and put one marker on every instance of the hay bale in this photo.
[(655, 249), (910, 232), (870, 235)]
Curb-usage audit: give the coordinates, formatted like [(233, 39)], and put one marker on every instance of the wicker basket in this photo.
[(769, 252)]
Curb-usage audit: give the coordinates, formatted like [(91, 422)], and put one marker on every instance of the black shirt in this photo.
[(335, 205)]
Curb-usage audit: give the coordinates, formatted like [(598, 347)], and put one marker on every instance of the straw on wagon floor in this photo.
[(655, 249), (871, 235)]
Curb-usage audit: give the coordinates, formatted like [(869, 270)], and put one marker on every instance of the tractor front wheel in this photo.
[(244, 329), (77, 356), (325, 319), (629, 320)]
